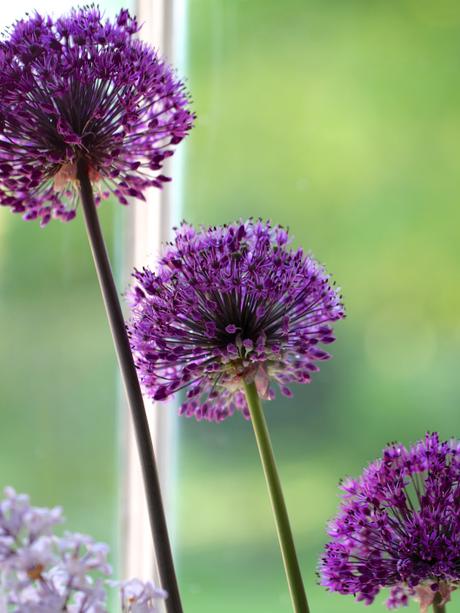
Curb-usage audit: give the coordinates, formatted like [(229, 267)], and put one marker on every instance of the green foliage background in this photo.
[(340, 120)]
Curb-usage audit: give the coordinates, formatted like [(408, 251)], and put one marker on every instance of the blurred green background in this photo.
[(340, 120)]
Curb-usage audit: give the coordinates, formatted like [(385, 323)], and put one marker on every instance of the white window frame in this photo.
[(148, 228)]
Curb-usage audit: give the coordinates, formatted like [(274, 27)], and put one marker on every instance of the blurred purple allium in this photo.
[(229, 305), (399, 527), (83, 87), (44, 573)]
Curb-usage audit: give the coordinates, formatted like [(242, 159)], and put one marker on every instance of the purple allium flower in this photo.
[(83, 87), (399, 527), (229, 305)]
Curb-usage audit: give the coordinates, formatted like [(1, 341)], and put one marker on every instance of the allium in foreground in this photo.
[(399, 527), (230, 305), (83, 88), (41, 572)]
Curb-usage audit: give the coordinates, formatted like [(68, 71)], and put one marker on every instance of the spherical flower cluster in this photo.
[(43, 573), (399, 527), (230, 305), (83, 90)]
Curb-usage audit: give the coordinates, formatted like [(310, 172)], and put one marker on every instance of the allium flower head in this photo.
[(399, 527), (81, 87), (229, 305)]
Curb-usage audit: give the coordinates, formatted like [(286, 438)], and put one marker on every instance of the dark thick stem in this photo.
[(133, 392), (437, 607), (283, 527)]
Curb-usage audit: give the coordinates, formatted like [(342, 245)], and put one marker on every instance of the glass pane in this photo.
[(340, 120), (58, 435)]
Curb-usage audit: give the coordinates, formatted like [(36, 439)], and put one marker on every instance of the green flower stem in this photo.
[(157, 517), (437, 607), (291, 564)]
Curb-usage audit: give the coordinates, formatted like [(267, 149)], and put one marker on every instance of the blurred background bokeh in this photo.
[(340, 120)]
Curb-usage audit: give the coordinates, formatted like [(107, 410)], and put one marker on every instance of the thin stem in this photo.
[(291, 564), (133, 391), (437, 606)]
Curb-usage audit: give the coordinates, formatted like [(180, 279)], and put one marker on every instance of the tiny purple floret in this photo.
[(230, 305), (83, 87), (398, 527)]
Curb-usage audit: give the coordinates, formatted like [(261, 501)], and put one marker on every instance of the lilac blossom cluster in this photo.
[(139, 596), (83, 88), (44, 573), (230, 305), (399, 527)]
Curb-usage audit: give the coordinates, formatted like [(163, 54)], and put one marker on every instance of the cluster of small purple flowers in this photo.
[(229, 305), (83, 88), (43, 573), (399, 527)]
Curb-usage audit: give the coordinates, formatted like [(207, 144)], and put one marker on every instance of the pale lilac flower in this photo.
[(140, 597), (81, 555), (41, 572), (25, 531), (58, 574)]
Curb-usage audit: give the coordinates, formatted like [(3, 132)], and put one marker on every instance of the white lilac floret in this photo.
[(139, 596), (229, 305), (398, 527), (83, 87), (41, 572)]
